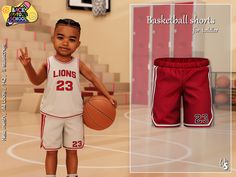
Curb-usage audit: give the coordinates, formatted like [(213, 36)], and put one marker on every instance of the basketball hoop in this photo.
[(99, 7)]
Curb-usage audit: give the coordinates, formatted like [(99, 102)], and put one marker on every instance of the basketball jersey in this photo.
[(62, 95)]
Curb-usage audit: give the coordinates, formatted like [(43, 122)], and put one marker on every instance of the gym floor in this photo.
[(106, 152)]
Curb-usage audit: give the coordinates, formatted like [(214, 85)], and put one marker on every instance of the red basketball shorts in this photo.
[(186, 79)]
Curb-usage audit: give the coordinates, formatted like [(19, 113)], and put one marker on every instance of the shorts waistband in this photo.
[(193, 62)]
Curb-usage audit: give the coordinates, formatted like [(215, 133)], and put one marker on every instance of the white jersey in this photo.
[(62, 95)]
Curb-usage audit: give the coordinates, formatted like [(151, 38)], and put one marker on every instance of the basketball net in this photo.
[(99, 7)]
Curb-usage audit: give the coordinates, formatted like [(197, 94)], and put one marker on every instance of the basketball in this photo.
[(234, 100), (98, 113), (222, 82), (221, 98)]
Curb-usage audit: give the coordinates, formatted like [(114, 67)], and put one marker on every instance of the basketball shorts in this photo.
[(58, 132), (186, 79)]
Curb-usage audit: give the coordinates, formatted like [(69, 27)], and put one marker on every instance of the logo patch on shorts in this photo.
[(201, 118)]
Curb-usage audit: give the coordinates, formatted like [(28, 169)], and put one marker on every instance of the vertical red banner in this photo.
[(140, 55), (161, 32), (183, 32)]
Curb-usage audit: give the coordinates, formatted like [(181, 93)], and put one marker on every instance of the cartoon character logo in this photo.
[(20, 14)]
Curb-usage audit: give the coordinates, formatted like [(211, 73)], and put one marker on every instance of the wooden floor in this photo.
[(106, 152)]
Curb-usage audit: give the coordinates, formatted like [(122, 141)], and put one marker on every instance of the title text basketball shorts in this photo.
[(188, 78)]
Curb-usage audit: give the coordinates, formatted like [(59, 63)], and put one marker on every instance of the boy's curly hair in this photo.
[(69, 22)]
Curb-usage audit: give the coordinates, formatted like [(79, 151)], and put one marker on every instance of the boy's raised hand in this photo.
[(24, 58)]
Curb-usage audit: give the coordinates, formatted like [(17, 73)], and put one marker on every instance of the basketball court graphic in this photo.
[(176, 147), (131, 146), (159, 110), (107, 152)]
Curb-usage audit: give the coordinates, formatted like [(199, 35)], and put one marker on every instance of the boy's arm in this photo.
[(88, 74), (35, 78)]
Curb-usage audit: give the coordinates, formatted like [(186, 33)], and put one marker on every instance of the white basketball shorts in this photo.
[(57, 132)]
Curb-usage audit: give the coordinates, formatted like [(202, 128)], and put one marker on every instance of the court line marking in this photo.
[(10, 149), (101, 147), (148, 110), (127, 116)]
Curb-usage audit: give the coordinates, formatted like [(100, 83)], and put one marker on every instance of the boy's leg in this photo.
[(51, 163), (71, 161), (73, 140), (51, 141)]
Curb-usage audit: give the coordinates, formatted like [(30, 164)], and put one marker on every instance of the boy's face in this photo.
[(65, 40)]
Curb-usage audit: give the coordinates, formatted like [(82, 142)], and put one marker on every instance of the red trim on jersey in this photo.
[(48, 66), (42, 128), (78, 66), (63, 61), (60, 117)]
